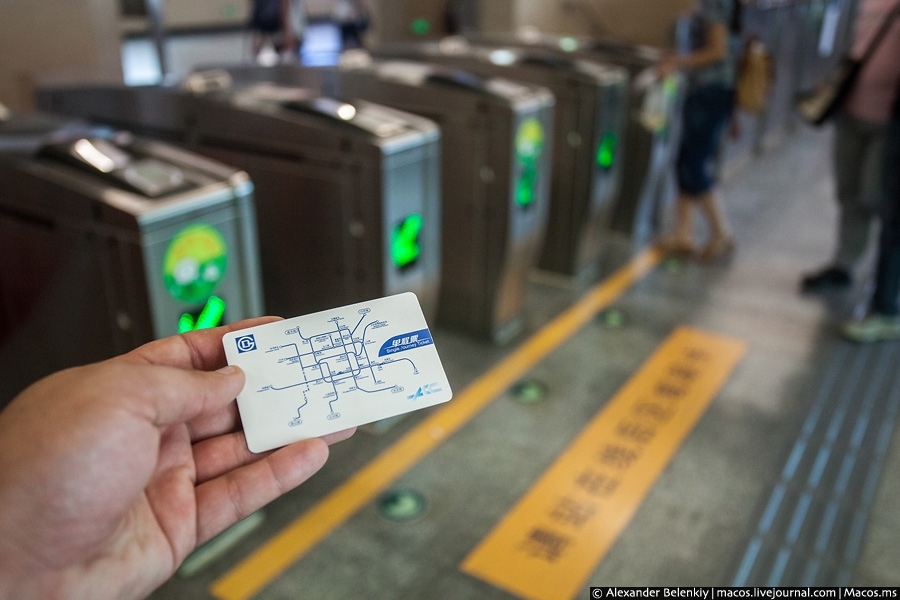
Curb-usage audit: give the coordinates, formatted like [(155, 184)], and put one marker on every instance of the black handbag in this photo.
[(817, 106)]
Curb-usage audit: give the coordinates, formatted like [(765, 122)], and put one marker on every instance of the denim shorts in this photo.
[(706, 112)]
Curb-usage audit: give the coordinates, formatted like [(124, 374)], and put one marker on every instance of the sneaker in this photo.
[(873, 328), (830, 278)]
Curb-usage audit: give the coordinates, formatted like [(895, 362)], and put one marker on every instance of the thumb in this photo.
[(172, 395)]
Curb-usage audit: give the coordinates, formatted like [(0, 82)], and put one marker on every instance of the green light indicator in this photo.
[(606, 153), (568, 44), (185, 323), (209, 317), (194, 263), (420, 26), (402, 505), (529, 391), (525, 189), (405, 247), (529, 146)]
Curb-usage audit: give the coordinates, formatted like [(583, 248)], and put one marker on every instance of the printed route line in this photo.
[(266, 563), (550, 542)]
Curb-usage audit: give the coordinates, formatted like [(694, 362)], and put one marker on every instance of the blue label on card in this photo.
[(407, 341), (245, 343)]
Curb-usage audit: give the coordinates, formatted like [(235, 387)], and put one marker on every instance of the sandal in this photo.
[(718, 248), (676, 247)]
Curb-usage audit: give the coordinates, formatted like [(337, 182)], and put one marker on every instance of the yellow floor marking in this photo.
[(268, 562), (554, 537)]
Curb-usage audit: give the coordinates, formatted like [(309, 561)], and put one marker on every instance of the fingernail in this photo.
[(227, 370)]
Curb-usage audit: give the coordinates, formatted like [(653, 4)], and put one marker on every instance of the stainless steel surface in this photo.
[(88, 256), (590, 104), (490, 241), (649, 152), (331, 185)]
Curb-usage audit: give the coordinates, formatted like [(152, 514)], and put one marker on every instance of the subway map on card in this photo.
[(328, 371)]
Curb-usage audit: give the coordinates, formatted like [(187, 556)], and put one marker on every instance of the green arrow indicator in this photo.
[(405, 247), (525, 188), (209, 317), (529, 145)]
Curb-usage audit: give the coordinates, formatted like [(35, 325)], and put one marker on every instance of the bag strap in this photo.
[(879, 35), (895, 113)]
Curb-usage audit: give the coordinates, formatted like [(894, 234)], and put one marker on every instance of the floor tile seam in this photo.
[(824, 391), (805, 490), (833, 555), (841, 510), (828, 392), (849, 439), (862, 502), (848, 388), (786, 563)]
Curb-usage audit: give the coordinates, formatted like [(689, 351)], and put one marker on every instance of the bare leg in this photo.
[(681, 241), (721, 241), (684, 214), (715, 214)]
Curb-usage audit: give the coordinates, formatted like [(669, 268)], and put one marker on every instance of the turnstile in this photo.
[(496, 157), (347, 195), (110, 241), (651, 144), (589, 126)]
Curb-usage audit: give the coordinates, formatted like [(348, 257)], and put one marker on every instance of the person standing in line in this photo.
[(352, 18), (883, 320), (859, 141), (295, 30), (278, 26), (710, 66)]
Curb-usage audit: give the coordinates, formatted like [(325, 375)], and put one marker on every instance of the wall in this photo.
[(644, 21), (55, 40)]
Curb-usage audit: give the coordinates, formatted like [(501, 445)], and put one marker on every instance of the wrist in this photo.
[(17, 584), (22, 577)]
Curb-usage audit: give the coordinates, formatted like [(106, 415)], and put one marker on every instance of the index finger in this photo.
[(201, 349)]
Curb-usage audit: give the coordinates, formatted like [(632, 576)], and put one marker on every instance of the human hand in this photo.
[(112, 473), (668, 65)]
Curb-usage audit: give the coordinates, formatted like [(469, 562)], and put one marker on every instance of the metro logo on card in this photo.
[(328, 371)]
